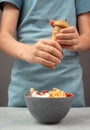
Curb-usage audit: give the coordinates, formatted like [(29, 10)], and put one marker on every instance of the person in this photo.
[(34, 50)]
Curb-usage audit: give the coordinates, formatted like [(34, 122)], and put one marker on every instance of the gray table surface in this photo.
[(20, 119)]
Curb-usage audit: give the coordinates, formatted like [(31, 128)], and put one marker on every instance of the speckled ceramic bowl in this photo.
[(48, 110)]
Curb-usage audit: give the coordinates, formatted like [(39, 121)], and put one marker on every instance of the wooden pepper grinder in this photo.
[(58, 25)]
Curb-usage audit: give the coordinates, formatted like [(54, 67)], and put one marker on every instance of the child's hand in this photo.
[(68, 38), (45, 52)]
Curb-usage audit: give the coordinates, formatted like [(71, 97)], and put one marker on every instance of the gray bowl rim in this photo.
[(70, 95)]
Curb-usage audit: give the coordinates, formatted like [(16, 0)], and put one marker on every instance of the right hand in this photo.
[(45, 52)]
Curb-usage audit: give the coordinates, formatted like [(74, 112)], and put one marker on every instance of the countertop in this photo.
[(20, 119)]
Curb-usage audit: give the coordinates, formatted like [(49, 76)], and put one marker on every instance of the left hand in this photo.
[(68, 38)]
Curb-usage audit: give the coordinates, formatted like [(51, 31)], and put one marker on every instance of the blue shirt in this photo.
[(33, 25)]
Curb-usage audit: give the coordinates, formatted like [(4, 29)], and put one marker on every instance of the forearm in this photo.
[(84, 43), (84, 31), (11, 46)]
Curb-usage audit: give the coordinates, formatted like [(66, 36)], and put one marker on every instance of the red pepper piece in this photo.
[(69, 94), (45, 91)]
